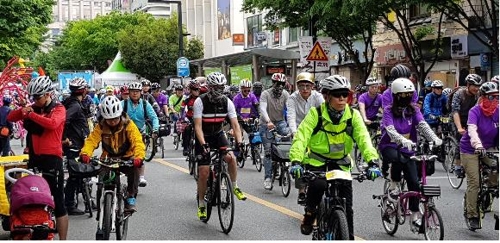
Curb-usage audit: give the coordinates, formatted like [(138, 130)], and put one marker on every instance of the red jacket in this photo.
[(49, 143)]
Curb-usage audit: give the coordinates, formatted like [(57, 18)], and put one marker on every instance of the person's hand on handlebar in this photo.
[(296, 171), (84, 158), (481, 151), (408, 144), (373, 170), (270, 125), (138, 163)]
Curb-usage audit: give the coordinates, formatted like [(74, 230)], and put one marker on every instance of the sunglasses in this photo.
[(492, 97), (340, 94), (404, 95), (36, 97)]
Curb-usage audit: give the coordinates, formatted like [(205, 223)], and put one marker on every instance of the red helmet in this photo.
[(203, 89), (124, 89), (193, 84)]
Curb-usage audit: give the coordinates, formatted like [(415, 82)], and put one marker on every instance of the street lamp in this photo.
[(179, 22)]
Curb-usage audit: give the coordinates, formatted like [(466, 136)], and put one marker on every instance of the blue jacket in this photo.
[(434, 105), (136, 114), (4, 111)]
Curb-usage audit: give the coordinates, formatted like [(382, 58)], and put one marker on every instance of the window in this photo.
[(419, 11), (293, 34), (255, 36)]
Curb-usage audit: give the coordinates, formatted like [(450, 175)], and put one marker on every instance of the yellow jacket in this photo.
[(125, 142)]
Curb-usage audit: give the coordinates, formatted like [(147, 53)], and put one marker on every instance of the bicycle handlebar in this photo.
[(112, 163), (312, 175), (276, 135)]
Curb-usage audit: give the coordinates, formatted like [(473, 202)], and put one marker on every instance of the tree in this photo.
[(22, 26), (151, 50), (478, 17), (194, 50)]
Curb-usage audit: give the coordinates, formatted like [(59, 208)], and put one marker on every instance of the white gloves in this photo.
[(408, 144), (438, 142)]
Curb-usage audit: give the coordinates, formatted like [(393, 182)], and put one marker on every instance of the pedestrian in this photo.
[(5, 126)]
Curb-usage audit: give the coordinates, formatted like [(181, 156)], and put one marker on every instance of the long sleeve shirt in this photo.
[(297, 107)]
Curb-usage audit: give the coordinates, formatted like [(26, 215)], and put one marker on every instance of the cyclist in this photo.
[(94, 97), (201, 80), (400, 123), (209, 112), (139, 111), (187, 113), (481, 135), (298, 105), (233, 91), (161, 99), (175, 102), (425, 91), (257, 89), (435, 104), (329, 148), (495, 79), (109, 91), (247, 106), (121, 139), (462, 102), (4, 112), (146, 94), (76, 129), (44, 121), (124, 93), (370, 102), (398, 71), (272, 103)]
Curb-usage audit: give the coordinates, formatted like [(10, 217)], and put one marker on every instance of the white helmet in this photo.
[(447, 91), (111, 107), (201, 79), (216, 78), (278, 77), (437, 84), (40, 85), (135, 86), (335, 82), (489, 88), (402, 85), (77, 84), (474, 79), (495, 79), (372, 81), (245, 83)]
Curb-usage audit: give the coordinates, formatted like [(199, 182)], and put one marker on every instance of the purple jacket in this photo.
[(246, 107)]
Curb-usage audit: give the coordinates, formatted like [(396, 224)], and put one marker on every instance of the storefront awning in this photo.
[(242, 58)]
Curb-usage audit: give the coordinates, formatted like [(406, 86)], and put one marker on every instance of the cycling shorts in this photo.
[(214, 141)]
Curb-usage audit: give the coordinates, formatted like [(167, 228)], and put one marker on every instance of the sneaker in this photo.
[(301, 200), (306, 226), (202, 213), (239, 194), (474, 223), (143, 182), (460, 172), (75, 211), (130, 204), (267, 184)]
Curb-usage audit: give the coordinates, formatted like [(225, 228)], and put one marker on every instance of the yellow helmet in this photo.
[(110, 88), (305, 76)]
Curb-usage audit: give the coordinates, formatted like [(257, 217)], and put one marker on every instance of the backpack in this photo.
[(319, 126), (125, 105), (450, 97)]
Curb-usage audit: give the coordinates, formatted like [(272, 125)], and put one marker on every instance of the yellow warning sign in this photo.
[(317, 53)]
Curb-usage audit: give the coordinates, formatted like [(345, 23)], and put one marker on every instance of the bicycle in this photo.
[(180, 126), (331, 219), (449, 150), (111, 196), (394, 211), (191, 158), (280, 161), (220, 190), (486, 193), (252, 146), (149, 141), (84, 186), (375, 135)]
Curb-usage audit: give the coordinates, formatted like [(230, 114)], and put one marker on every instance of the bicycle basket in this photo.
[(180, 126), (256, 139), (82, 170), (431, 190), (280, 152), (164, 130)]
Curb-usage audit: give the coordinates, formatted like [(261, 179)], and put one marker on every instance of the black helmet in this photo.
[(155, 86), (400, 71), (257, 85)]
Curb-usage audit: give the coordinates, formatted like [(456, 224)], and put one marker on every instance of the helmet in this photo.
[(245, 83), (7, 99), (305, 76), (474, 79), (227, 89), (234, 88), (178, 87), (335, 82), (358, 87), (135, 86), (40, 85), (495, 79), (111, 107), (77, 84), (203, 88), (145, 82), (155, 86), (257, 85), (201, 80), (447, 91), (278, 77), (216, 78), (489, 87), (109, 88), (427, 82), (437, 84), (402, 85), (91, 90), (124, 89), (193, 84), (400, 71), (372, 81)]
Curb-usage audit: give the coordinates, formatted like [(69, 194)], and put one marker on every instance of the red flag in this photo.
[(41, 71)]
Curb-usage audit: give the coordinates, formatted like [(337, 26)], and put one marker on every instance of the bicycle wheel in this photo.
[(177, 141), (225, 204), (209, 196), (86, 195), (121, 221), (338, 229), (190, 164), (240, 159), (433, 224), (162, 147), (449, 163), (106, 222), (150, 149), (285, 181), (257, 160), (388, 211), (358, 159)]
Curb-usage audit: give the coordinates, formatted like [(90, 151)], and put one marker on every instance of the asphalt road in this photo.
[(167, 209)]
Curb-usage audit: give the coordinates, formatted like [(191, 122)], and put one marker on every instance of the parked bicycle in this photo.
[(331, 219), (280, 161), (111, 196), (253, 146), (220, 189)]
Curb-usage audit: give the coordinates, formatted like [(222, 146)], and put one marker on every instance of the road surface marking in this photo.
[(260, 201)]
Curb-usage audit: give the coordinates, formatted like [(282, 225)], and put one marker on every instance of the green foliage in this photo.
[(423, 31), (281, 13), (194, 50), (22, 25)]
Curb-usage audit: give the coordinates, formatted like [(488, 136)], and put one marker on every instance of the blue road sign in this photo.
[(183, 67)]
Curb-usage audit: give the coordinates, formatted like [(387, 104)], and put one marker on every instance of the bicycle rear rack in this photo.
[(431, 190)]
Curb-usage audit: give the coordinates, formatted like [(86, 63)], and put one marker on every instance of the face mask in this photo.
[(488, 106), (215, 93), (403, 101), (257, 91), (277, 89)]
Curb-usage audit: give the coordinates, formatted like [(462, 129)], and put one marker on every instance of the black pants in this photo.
[(186, 137), (317, 188), (71, 183), (51, 167), (410, 171), (4, 142)]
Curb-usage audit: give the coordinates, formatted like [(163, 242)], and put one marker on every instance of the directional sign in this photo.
[(317, 53), (183, 67)]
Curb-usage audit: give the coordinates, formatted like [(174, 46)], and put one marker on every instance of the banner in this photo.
[(223, 19), (65, 77), (305, 46)]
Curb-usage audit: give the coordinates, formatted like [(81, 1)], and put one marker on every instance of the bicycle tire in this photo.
[(225, 201), (358, 159), (286, 183), (449, 164), (388, 209), (209, 197), (190, 165), (241, 161), (106, 222), (87, 199), (177, 141), (162, 145), (121, 222), (150, 143), (437, 216), (338, 229), (257, 159)]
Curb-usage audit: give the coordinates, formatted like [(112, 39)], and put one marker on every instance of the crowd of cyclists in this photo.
[(325, 119)]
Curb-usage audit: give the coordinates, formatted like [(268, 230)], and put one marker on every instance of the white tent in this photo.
[(116, 74)]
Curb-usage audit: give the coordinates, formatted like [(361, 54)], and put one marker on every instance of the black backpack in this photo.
[(319, 126)]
